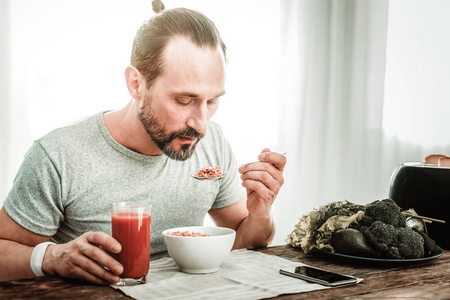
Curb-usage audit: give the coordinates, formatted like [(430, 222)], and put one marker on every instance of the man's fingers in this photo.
[(265, 150), (91, 267), (276, 159), (260, 189), (266, 178), (80, 273), (107, 242), (99, 257), (262, 167)]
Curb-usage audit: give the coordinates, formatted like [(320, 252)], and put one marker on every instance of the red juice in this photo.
[(132, 231)]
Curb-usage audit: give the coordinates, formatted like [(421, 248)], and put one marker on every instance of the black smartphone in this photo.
[(320, 276)]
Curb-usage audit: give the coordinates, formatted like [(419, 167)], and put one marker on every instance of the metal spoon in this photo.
[(225, 173)]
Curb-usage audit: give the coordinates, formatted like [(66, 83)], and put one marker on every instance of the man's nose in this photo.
[(199, 119)]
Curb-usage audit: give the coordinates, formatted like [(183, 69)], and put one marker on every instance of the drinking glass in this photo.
[(130, 221)]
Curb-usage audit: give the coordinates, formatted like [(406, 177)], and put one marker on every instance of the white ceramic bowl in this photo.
[(199, 255)]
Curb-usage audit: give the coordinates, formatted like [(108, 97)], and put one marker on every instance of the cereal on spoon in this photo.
[(209, 172)]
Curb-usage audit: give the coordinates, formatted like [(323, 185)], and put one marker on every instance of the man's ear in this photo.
[(134, 80)]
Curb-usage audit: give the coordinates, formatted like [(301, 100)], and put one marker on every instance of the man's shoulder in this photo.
[(72, 138), (74, 131)]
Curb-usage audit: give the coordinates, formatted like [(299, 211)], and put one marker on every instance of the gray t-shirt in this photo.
[(70, 177)]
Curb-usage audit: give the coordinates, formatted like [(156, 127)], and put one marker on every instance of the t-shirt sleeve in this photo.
[(231, 190), (34, 201)]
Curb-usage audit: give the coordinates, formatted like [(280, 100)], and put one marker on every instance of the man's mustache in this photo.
[(188, 132)]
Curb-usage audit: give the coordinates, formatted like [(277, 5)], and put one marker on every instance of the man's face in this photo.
[(175, 110), (163, 139)]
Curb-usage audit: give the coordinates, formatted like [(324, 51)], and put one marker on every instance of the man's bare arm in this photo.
[(16, 246), (251, 217), (81, 258), (251, 232)]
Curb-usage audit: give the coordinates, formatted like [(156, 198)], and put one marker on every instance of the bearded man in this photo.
[(147, 150)]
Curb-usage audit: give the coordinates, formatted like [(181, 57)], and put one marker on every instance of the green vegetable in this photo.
[(352, 242), (377, 229), (314, 230)]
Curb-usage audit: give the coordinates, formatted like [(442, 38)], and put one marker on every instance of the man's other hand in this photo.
[(263, 181)]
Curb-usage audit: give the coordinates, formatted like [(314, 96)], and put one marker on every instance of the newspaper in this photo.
[(245, 274)]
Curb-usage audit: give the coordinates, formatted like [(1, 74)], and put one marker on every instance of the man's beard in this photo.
[(163, 139)]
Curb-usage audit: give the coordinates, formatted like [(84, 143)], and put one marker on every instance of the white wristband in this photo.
[(37, 257)]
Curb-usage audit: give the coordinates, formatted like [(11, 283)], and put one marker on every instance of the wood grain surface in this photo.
[(427, 280)]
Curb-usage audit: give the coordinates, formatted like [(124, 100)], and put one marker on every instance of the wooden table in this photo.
[(428, 280)]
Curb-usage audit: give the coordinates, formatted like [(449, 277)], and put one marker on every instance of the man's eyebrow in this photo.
[(192, 95)]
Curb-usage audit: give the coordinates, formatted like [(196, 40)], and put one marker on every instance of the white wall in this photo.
[(68, 59), (417, 89)]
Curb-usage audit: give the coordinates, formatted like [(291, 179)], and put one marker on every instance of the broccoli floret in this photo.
[(401, 242), (380, 235), (410, 243), (386, 211)]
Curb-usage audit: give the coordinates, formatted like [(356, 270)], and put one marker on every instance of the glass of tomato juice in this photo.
[(130, 222)]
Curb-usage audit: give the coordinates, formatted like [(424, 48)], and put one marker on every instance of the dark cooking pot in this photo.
[(426, 189)]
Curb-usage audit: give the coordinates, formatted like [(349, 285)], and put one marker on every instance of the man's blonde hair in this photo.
[(153, 36)]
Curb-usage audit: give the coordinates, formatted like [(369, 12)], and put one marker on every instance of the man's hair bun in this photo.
[(157, 6)]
